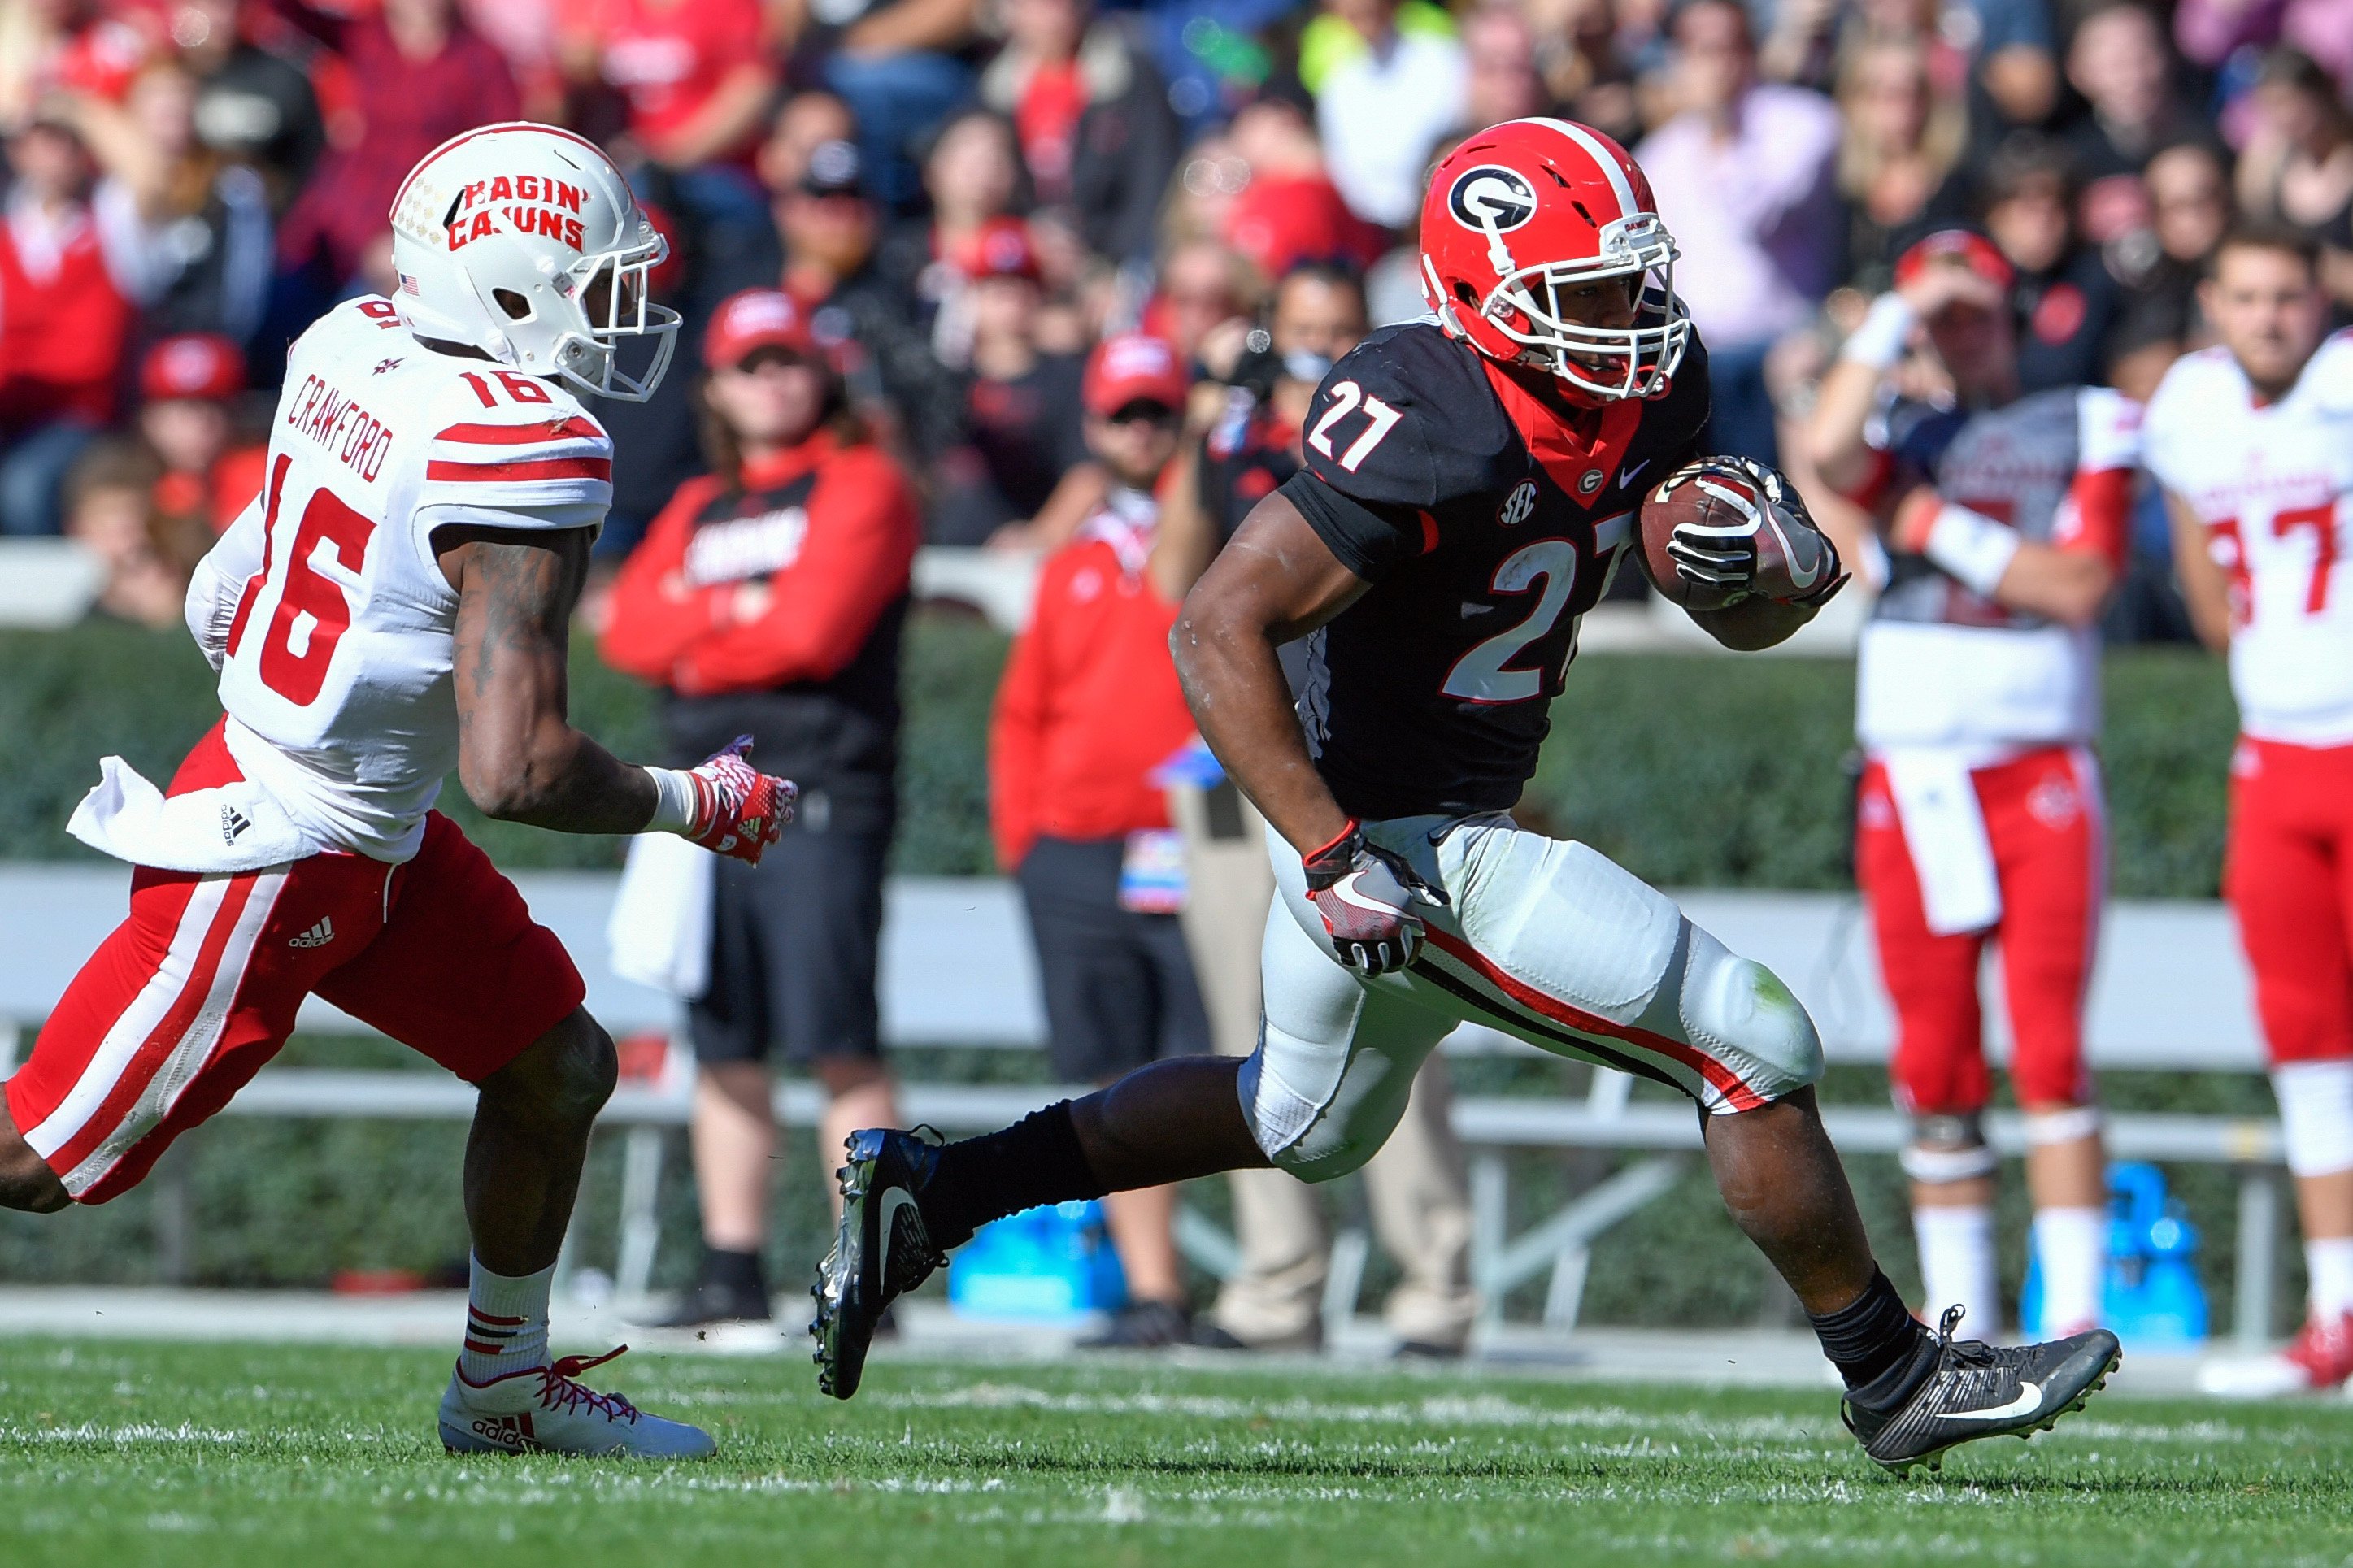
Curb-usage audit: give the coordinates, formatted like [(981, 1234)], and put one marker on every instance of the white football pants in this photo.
[(1543, 939)]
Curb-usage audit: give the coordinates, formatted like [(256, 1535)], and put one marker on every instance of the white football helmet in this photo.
[(524, 241)]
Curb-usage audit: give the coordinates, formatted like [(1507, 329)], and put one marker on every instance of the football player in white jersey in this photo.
[(393, 605), (2253, 440), (1979, 817)]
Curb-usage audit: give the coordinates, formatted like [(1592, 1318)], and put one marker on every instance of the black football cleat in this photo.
[(1957, 1391), (881, 1252)]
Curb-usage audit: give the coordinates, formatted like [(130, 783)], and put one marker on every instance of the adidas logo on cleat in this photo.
[(511, 1432), (319, 935)]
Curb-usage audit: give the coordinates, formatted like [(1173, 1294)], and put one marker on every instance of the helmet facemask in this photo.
[(615, 285), (1609, 364)]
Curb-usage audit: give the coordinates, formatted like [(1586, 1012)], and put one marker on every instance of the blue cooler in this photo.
[(2152, 1299), (1044, 1265)]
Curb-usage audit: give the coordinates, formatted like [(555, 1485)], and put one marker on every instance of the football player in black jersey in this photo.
[(1470, 484)]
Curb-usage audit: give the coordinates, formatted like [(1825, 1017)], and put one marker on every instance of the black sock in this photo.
[(1035, 1161), (736, 1271), (1870, 1334)]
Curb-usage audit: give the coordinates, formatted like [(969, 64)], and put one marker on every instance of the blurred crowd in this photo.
[(964, 196)]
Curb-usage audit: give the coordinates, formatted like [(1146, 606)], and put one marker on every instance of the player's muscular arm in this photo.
[(1275, 581), (2204, 588), (519, 758)]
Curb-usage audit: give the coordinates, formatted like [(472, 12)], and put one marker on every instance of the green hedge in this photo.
[(1691, 771), (69, 698)]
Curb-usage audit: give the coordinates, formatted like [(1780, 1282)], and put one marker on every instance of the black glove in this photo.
[(1362, 891)]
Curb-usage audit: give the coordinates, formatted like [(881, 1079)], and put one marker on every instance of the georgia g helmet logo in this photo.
[(1491, 199)]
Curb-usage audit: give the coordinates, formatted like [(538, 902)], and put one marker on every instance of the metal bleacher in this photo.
[(2171, 994)]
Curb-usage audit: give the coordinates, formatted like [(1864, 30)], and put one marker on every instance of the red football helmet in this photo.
[(1525, 210)]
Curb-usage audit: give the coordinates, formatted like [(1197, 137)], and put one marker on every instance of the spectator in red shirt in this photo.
[(188, 384), (422, 75), (768, 600), (76, 262), (698, 79), (1089, 708)]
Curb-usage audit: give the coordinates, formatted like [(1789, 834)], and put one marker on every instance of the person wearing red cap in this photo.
[(767, 599), (1088, 709), (2005, 524), (186, 384)]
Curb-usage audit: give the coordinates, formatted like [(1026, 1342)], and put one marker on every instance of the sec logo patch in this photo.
[(1518, 505), (1491, 199)]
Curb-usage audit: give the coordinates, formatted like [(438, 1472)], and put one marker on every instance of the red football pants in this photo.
[(198, 988), (2288, 875), (2044, 817)]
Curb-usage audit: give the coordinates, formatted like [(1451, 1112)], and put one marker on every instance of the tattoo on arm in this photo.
[(519, 758)]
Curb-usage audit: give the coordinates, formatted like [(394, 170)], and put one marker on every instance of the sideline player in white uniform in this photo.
[(2253, 440), (393, 605), (1979, 812)]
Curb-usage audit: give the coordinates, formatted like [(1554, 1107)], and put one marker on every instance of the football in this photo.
[(1721, 494), (1703, 494)]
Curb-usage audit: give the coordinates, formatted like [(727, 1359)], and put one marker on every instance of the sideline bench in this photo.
[(2171, 993)]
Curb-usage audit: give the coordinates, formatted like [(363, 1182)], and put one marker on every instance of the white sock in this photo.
[(1957, 1267), (2072, 1245), (2328, 1266), (506, 1322)]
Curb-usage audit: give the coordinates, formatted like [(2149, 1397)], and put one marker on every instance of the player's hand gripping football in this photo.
[(1767, 544), (1364, 893), (738, 810)]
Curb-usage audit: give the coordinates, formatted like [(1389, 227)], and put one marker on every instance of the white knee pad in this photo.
[(2071, 1125), (2315, 1105), (1739, 1012), (1947, 1148)]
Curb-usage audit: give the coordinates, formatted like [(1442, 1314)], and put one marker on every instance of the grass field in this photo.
[(124, 1454)]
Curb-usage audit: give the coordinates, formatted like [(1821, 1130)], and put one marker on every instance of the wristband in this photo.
[(673, 801), (1971, 549), (1880, 339)]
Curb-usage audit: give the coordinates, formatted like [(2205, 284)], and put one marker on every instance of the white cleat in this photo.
[(545, 1411)]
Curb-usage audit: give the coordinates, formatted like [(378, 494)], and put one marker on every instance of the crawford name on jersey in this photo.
[(324, 606)]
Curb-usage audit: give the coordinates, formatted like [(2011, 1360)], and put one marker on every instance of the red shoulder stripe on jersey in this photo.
[(517, 473), (570, 429)]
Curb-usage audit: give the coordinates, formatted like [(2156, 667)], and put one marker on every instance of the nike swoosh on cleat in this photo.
[(2029, 1400), (894, 1200)]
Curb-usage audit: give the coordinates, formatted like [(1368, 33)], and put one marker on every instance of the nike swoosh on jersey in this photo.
[(2030, 1399), (1626, 476)]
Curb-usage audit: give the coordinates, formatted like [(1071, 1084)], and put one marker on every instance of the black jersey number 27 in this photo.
[(1480, 676), (1348, 398)]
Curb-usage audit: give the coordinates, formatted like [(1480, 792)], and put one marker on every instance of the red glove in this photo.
[(738, 810), (1362, 891)]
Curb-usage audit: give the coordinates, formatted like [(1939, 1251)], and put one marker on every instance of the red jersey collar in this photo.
[(1580, 449)]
